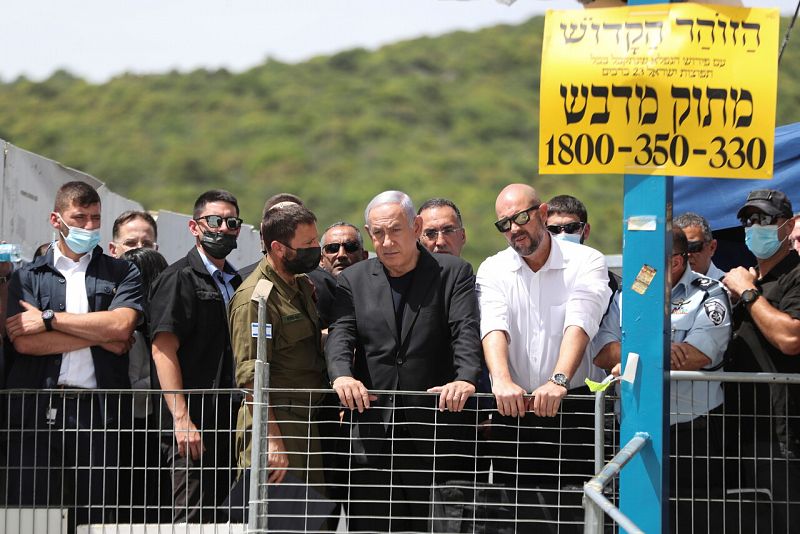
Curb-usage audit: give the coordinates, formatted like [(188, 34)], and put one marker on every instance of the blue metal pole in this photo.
[(644, 483), (647, 243)]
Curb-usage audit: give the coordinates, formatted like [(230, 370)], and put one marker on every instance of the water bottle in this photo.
[(10, 252)]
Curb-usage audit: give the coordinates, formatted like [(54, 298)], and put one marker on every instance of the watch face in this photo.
[(561, 379), (47, 315)]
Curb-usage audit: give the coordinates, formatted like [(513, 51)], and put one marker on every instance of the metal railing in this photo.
[(74, 458), (735, 454), (597, 503), (80, 461)]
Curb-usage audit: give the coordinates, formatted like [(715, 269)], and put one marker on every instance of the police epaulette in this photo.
[(705, 283)]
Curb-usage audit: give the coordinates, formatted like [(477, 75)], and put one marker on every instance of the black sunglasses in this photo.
[(349, 247), (759, 218), (569, 228), (693, 247), (215, 221), (520, 218)]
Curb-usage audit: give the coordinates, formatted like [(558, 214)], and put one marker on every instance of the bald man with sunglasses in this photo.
[(541, 301), (342, 246)]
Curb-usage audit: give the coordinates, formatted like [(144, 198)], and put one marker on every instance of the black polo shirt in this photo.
[(185, 301), (749, 351)]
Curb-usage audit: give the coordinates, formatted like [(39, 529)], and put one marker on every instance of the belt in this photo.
[(74, 392)]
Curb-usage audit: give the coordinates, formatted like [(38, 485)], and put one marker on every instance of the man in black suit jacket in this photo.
[(404, 321)]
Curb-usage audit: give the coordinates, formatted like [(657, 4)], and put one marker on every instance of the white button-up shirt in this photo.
[(535, 308), (77, 366)]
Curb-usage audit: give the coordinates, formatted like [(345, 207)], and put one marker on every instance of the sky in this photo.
[(99, 39)]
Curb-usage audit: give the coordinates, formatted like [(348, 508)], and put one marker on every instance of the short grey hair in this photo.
[(337, 224), (692, 219), (392, 197)]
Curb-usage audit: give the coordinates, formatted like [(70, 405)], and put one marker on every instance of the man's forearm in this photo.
[(170, 378), (46, 343), (609, 356), (495, 352), (780, 329), (98, 327), (695, 359), (573, 346)]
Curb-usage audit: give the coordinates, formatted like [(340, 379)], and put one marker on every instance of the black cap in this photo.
[(769, 201)]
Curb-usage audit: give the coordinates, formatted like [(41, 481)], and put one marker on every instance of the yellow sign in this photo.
[(673, 89)]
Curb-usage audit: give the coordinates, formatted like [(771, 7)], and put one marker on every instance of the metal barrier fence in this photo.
[(734, 454), (88, 461), (71, 458), (81, 461), (594, 489)]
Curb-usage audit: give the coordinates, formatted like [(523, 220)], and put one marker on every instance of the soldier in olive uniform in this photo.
[(294, 350)]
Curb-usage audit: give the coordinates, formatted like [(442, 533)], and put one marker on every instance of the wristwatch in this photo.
[(750, 295), (560, 379), (47, 317)]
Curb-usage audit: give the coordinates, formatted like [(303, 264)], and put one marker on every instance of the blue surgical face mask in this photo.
[(78, 240), (573, 238), (763, 241)]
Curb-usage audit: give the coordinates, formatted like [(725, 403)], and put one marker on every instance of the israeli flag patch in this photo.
[(267, 330)]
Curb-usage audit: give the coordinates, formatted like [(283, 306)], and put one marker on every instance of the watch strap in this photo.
[(750, 295), (47, 318)]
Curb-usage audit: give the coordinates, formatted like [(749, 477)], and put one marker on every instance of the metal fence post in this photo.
[(594, 518), (257, 521)]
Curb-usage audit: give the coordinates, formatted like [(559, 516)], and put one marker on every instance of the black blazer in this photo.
[(439, 342), (440, 337)]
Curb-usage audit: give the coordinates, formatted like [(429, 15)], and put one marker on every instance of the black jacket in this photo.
[(185, 301), (110, 284), (439, 341)]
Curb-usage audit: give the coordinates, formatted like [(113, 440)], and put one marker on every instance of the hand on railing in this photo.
[(188, 438), (352, 393), (277, 461), (547, 399), (510, 398), (454, 395)]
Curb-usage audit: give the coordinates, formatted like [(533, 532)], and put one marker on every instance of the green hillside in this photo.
[(453, 116)]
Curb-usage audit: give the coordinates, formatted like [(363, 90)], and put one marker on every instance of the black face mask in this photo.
[(305, 260), (217, 245)]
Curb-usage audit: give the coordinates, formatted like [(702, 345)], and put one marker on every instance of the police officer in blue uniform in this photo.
[(701, 328)]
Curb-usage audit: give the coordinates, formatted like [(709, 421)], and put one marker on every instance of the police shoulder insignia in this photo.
[(704, 282), (715, 311)]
